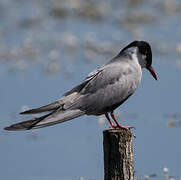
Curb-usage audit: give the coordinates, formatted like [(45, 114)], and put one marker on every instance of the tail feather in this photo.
[(55, 117), (50, 107)]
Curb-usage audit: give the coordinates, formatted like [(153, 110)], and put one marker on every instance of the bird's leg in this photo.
[(118, 125), (110, 122)]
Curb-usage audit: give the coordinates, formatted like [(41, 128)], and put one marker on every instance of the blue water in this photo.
[(43, 55)]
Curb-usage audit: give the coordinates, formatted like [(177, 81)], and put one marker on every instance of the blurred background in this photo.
[(47, 47)]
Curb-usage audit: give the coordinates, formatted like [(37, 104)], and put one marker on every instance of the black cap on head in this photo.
[(144, 49)]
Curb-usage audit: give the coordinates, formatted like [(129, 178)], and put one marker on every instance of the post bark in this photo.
[(118, 155)]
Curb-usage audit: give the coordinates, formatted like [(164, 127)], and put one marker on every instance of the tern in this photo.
[(101, 92)]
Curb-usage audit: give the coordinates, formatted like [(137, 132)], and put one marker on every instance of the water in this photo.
[(47, 48)]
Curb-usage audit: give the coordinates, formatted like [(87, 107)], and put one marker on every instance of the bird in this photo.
[(101, 92)]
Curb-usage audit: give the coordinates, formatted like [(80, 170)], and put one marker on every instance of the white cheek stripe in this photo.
[(136, 56)]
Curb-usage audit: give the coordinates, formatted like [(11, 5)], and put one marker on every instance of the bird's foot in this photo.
[(122, 127), (126, 127)]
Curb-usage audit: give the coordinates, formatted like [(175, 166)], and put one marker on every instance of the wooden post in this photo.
[(118, 155)]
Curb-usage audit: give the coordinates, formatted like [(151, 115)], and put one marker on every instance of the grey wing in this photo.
[(108, 89), (68, 99), (60, 111)]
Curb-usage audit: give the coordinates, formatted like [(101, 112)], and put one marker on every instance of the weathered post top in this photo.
[(118, 155)]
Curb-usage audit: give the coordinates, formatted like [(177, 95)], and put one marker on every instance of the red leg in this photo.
[(110, 122), (118, 125)]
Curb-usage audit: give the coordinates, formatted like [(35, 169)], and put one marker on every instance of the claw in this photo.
[(121, 127), (126, 127)]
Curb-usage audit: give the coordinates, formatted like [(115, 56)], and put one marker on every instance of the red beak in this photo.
[(152, 71)]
